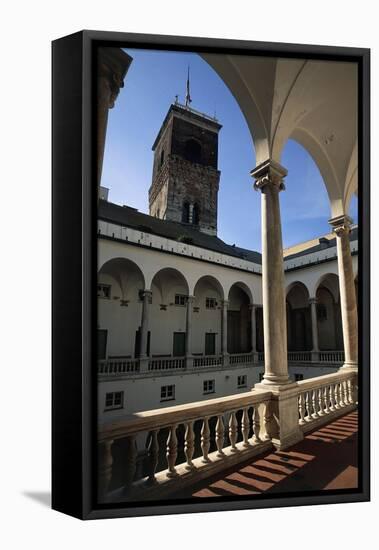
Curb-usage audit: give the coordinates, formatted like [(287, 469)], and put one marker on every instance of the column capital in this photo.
[(113, 64), (312, 300), (253, 306), (269, 172), (190, 299), (341, 225), (146, 293), (225, 303)]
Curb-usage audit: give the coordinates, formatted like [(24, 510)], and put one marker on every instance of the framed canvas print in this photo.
[(210, 274)]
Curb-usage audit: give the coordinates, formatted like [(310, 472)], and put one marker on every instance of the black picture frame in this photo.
[(74, 204)]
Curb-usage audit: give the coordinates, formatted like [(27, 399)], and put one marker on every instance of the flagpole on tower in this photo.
[(188, 95)]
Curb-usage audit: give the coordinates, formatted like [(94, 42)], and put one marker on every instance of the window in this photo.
[(114, 400), (103, 291), (185, 212), (195, 214), (299, 377), (210, 303), (168, 393), (208, 386), (242, 381), (322, 313), (180, 299), (192, 151), (210, 343)]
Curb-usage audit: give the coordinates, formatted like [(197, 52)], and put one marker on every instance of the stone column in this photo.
[(224, 331), (282, 414), (315, 350), (341, 227), (112, 66), (269, 180), (189, 310), (147, 294)]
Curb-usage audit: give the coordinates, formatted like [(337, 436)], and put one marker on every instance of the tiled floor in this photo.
[(325, 459)]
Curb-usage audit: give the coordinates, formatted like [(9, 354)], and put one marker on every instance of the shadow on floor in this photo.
[(326, 459)]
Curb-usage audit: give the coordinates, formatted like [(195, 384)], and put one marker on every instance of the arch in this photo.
[(331, 282), (239, 319), (168, 281), (244, 287), (299, 323), (212, 282), (298, 284), (126, 273)]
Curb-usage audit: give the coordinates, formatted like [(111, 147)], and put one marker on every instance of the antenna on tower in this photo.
[(188, 95)]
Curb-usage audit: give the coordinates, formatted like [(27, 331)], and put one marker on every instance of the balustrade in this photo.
[(118, 366), (208, 361), (213, 448), (324, 395)]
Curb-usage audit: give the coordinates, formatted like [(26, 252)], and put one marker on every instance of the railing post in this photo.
[(205, 439), (220, 434), (172, 452), (153, 454), (189, 445)]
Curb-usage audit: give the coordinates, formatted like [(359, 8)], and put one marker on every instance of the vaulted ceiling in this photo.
[(313, 102)]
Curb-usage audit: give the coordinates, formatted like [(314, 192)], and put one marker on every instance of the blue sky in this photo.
[(153, 80)]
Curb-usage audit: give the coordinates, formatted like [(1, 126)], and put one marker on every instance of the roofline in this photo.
[(185, 110)]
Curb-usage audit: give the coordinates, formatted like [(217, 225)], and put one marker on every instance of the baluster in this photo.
[(309, 406), (320, 402), (345, 397), (131, 462), (220, 431), (340, 395), (153, 452), (233, 426), (301, 409), (349, 391), (314, 415), (331, 397), (245, 426), (326, 399), (336, 400), (105, 468), (172, 451), (189, 445), (205, 440), (256, 424)]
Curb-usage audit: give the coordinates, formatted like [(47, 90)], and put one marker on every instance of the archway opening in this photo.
[(239, 320)]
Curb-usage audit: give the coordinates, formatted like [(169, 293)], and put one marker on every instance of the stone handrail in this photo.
[(208, 361), (237, 431), (325, 396), (167, 363), (117, 366), (240, 358)]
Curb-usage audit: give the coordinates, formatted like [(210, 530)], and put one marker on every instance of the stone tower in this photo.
[(185, 178)]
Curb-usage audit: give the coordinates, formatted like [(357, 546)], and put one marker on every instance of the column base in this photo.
[(350, 365), (274, 381), (189, 361), (225, 359), (144, 364), (315, 356)]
